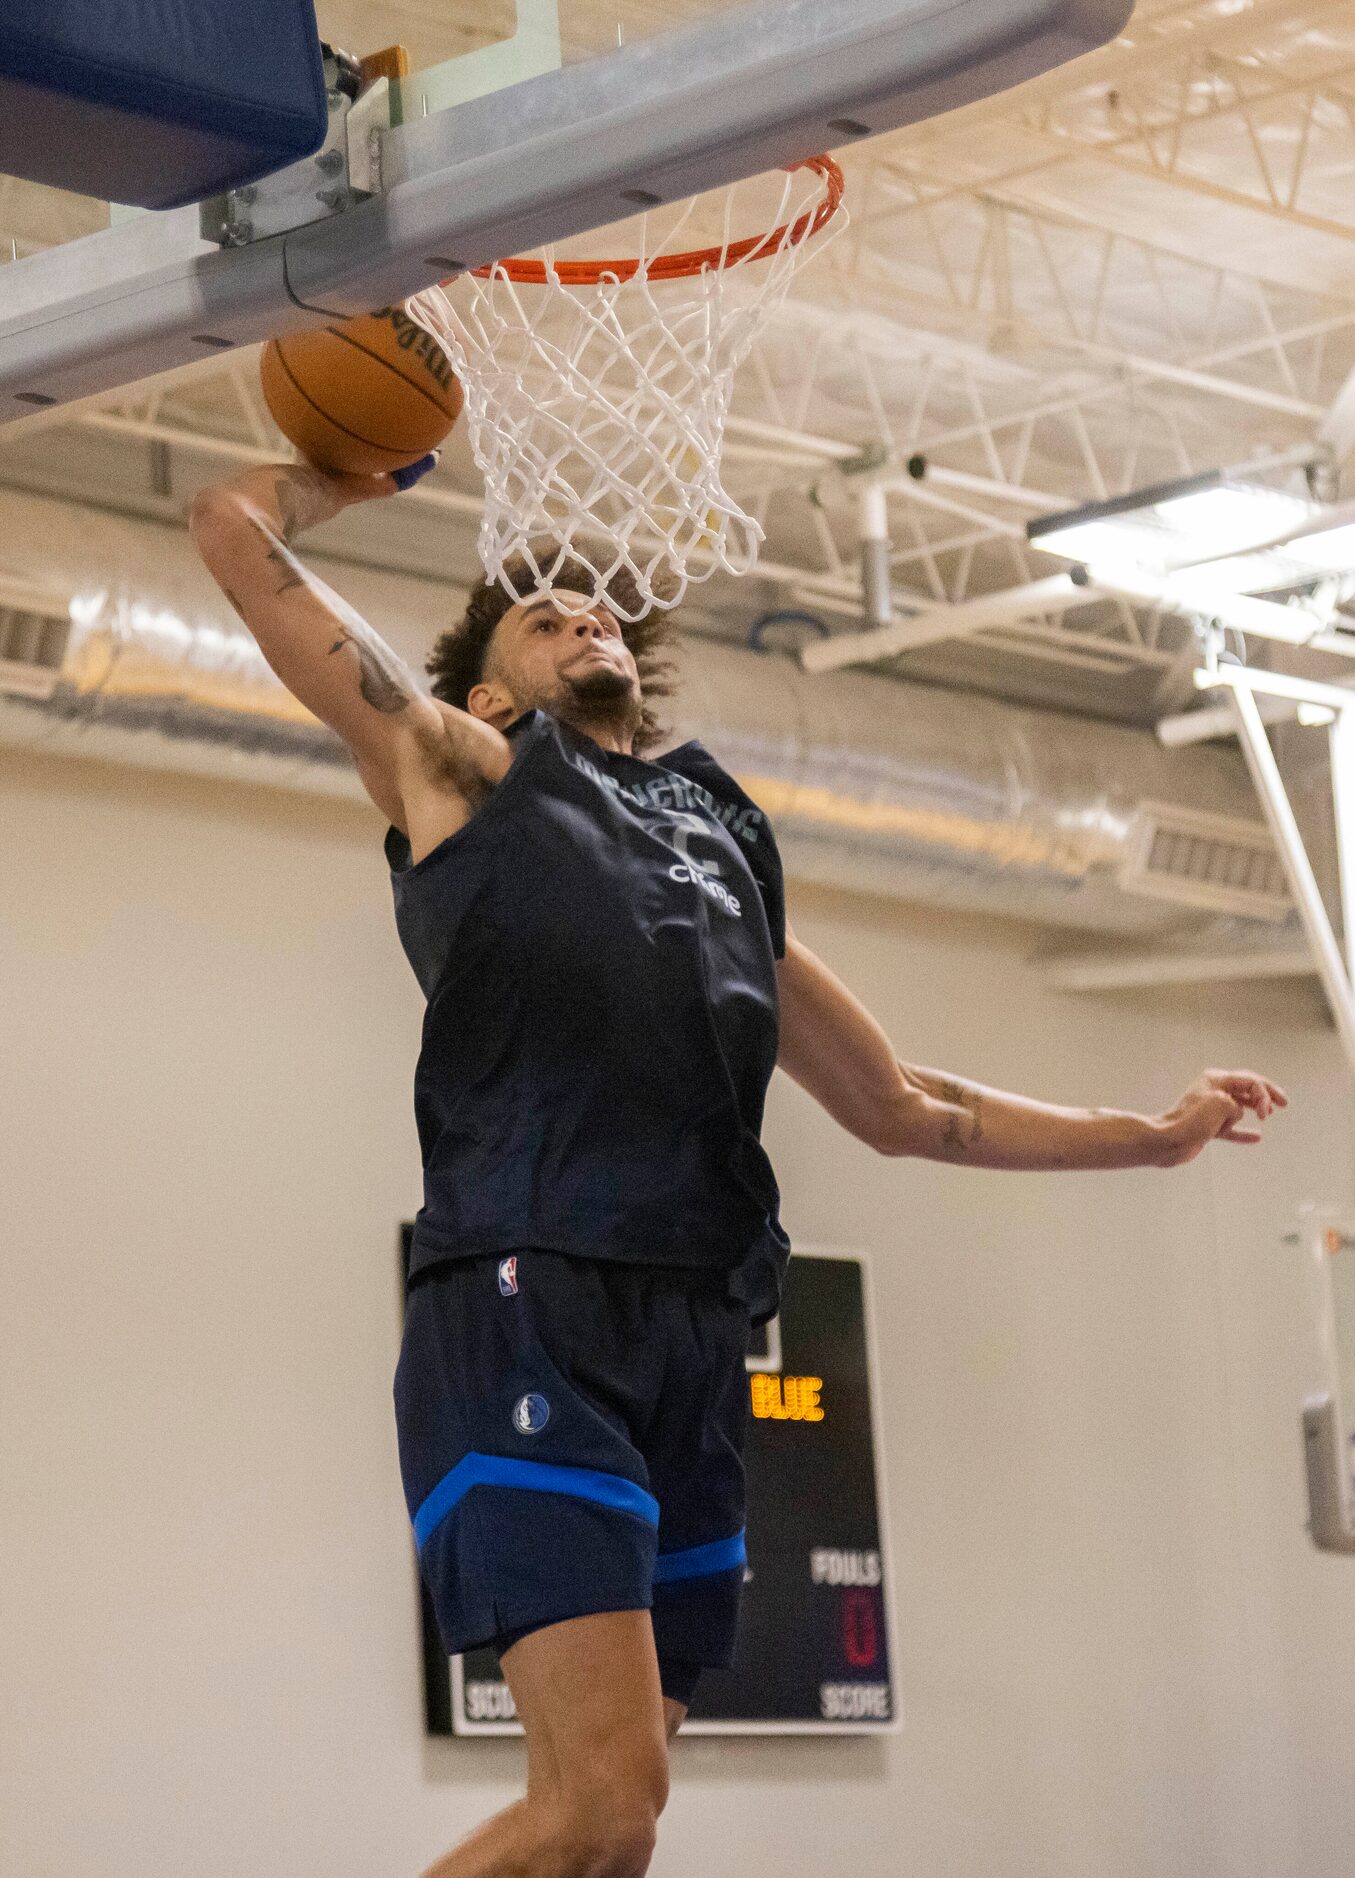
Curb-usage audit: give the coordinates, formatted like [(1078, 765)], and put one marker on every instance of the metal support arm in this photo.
[(1265, 773)]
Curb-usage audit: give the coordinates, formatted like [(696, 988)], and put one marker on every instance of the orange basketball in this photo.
[(371, 394)]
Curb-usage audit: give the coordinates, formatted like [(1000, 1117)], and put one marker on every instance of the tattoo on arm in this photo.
[(382, 677), (293, 573), (954, 1137), (303, 499)]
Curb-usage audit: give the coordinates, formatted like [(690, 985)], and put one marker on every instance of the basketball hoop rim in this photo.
[(526, 272)]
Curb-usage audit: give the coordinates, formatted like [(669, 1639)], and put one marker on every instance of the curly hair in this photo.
[(456, 663)]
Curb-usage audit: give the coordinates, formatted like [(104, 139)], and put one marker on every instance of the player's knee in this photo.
[(597, 1843), (628, 1847), (610, 1824)]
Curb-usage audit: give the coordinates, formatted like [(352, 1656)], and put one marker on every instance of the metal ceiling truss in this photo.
[(1021, 281), (1289, 102), (1032, 355)]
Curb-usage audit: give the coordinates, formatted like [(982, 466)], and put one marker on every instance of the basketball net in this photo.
[(597, 393)]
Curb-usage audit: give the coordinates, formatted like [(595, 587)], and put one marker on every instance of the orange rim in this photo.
[(691, 261)]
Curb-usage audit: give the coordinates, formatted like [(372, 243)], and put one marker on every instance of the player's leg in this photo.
[(693, 1450), (514, 1396), (588, 1695)]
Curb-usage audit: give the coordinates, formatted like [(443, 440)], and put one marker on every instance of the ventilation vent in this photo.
[(32, 648), (1205, 861)]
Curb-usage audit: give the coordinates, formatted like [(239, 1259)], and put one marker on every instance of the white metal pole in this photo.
[(877, 596), (1216, 720), (1265, 774), (1342, 748), (1055, 593), (1194, 593)]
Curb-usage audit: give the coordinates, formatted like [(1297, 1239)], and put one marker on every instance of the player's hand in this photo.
[(406, 478), (1215, 1108), (308, 495)]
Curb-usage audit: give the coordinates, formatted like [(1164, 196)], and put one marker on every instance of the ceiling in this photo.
[(1136, 268)]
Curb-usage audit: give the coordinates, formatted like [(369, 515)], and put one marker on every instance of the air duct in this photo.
[(874, 785), (948, 799)]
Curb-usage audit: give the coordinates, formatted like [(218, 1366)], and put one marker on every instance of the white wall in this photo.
[(1119, 1655)]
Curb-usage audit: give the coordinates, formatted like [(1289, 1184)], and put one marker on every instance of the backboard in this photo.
[(542, 130)]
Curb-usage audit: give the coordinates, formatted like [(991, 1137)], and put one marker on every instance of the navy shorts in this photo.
[(571, 1437)]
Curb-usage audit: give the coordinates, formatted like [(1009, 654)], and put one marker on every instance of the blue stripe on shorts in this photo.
[(493, 1470), (699, 1561)]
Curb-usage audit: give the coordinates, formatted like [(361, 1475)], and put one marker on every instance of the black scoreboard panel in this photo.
[(815, 1630)]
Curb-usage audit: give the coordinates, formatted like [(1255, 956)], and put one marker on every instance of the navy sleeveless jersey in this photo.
[(598, 950)]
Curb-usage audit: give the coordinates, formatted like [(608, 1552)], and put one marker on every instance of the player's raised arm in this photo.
[(325, 653), (832, 1046)]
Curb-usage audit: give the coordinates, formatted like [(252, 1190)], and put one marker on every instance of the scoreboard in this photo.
[(816, 1623)]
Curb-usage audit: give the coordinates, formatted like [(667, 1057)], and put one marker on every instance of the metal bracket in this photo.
[(345, 170), (872, 458), (868, 461), (1328, 1470), (367, 117)]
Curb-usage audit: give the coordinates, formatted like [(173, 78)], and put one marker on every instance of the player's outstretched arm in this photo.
[(835, 1050), (326, 654)]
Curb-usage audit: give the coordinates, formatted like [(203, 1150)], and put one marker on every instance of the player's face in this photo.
[(575, 665)]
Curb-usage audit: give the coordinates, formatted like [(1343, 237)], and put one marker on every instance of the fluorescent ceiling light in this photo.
[(1327, 550), (1174, 525), (1292, 563), (1215, 522)]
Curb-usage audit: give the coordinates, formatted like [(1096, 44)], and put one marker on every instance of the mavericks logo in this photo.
[(530, 1414)]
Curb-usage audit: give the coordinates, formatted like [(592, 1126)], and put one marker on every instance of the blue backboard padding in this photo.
[(158, 102)]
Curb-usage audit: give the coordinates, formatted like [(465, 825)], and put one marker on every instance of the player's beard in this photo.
[(601, 697)]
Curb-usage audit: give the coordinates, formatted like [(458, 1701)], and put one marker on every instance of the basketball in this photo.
[(372, 394)]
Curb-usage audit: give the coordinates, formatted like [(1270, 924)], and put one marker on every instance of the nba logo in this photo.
[(508, 1277)]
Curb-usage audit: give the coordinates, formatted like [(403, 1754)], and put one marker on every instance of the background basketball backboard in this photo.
[(442, 181), (1130, 269)]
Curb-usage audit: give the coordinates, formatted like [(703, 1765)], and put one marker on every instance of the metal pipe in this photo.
[(987, 486), (1191, 593), (1275, 685), (875, 567), (1265, 774), (911, 792), (1215, 720), (1051, 595), (1341, 747), (995, 525)]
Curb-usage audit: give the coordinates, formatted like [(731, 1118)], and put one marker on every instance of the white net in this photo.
[(596, 394)]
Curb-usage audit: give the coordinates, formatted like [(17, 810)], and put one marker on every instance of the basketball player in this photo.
[(610, 982)]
